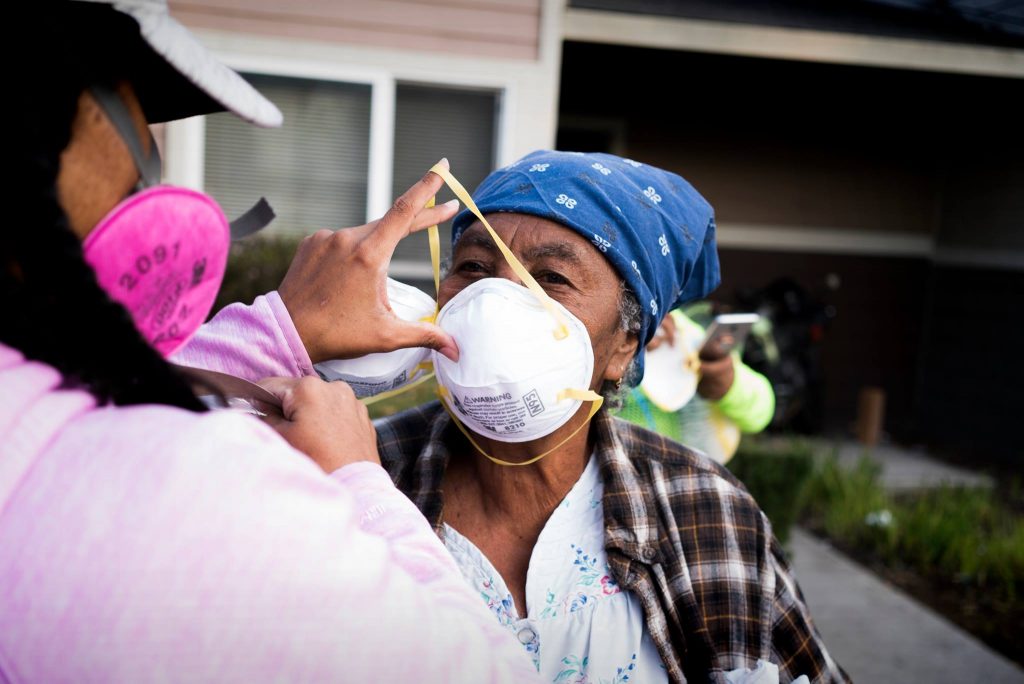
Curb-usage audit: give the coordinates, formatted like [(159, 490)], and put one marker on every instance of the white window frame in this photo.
[(526, 91), (186, 139)]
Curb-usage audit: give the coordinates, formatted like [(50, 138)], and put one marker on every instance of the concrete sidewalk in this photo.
[(906, 469), (878, 634)]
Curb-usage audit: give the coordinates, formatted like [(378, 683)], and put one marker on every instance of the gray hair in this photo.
[(631, 318)]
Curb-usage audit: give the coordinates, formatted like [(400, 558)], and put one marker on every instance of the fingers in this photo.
[(395, 224), (716, 367), (670, 331), (401, 334), (279, 387), (293, 392), (323, 420), (716, 378), (713, 351), (430, 216), (276, 421), (434, 215), (310, 242)]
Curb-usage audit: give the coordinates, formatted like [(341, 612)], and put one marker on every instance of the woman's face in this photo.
[(565, 264), (96, 168)]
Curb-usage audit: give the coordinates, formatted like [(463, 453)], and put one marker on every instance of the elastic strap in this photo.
[(256, 219), (582, 395), (562, 327), (116, 110), (395, 392), (434, 238)]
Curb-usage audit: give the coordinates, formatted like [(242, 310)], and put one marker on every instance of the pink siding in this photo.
[(508, 29)]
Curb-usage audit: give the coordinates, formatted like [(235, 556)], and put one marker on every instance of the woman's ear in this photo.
[(621, 356)]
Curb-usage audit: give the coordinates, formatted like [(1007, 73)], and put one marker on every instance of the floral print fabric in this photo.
[(581, 627)]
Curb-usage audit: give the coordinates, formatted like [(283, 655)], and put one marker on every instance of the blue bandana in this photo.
[(651, 225)]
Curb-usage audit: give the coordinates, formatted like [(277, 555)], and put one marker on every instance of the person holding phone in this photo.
[(729, 397)]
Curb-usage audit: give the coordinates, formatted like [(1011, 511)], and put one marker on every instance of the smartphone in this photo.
[(728, 331)]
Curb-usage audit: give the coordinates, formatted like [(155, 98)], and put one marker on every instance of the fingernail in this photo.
[(451, 204), (444, 162)]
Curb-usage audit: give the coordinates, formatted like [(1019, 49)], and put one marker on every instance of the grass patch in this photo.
[(775, 473), (959, 550), (423, 393)]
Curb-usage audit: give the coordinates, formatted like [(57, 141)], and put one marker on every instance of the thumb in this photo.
[(401, 334), (279, 423)]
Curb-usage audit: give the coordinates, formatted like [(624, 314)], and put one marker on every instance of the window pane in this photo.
[(312, 170), (431, 123)]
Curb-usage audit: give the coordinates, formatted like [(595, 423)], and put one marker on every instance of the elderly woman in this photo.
[(618, 555), (610, 553)]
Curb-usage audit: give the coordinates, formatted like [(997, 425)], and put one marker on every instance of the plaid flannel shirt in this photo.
[(681, 533)]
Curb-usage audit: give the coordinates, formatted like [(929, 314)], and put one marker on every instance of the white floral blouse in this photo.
[(581, 628)]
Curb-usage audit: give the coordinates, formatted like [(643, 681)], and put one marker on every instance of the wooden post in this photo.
[(870, 415)]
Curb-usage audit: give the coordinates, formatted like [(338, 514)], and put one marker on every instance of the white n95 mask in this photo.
[(525, 362), (672, 370), (515, 381), (382, 372)]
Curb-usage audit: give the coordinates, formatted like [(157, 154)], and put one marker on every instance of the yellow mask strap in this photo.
[(426, 365), (561, 327), (582, 395), (434, 238)]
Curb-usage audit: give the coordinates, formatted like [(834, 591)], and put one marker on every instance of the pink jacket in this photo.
[(150, 543)]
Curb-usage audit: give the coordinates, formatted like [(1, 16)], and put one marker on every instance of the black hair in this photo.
[(54, 311)]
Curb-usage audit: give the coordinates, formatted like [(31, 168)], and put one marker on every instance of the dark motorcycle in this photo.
[(785, 346)]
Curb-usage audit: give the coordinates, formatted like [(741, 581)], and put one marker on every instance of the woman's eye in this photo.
[(474, 267), (552, 278)]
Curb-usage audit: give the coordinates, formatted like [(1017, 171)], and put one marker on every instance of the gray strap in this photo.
[(254, 220), (117, 112)]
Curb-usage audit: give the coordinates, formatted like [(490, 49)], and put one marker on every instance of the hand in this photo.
[(323, 420), (716, 372), (336, 287), (666, 333)]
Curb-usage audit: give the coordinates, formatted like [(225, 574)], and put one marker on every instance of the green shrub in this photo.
[(775, 473), (963, 535), (423, 393), (845, 501), (256, 266)]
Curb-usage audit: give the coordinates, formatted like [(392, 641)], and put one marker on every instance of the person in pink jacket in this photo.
[(143, 537)]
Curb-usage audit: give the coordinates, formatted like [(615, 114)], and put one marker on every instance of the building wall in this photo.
[(873, 338), (968, 395), (822, 149), (895, 197), (915, 19), (505, 29), (515, 48), (983, 200)]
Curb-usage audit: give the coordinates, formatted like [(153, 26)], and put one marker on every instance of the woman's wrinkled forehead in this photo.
[(533, 238)]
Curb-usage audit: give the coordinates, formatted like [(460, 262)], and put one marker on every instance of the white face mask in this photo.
[(515, 380), (671, 376), (376, 373)]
